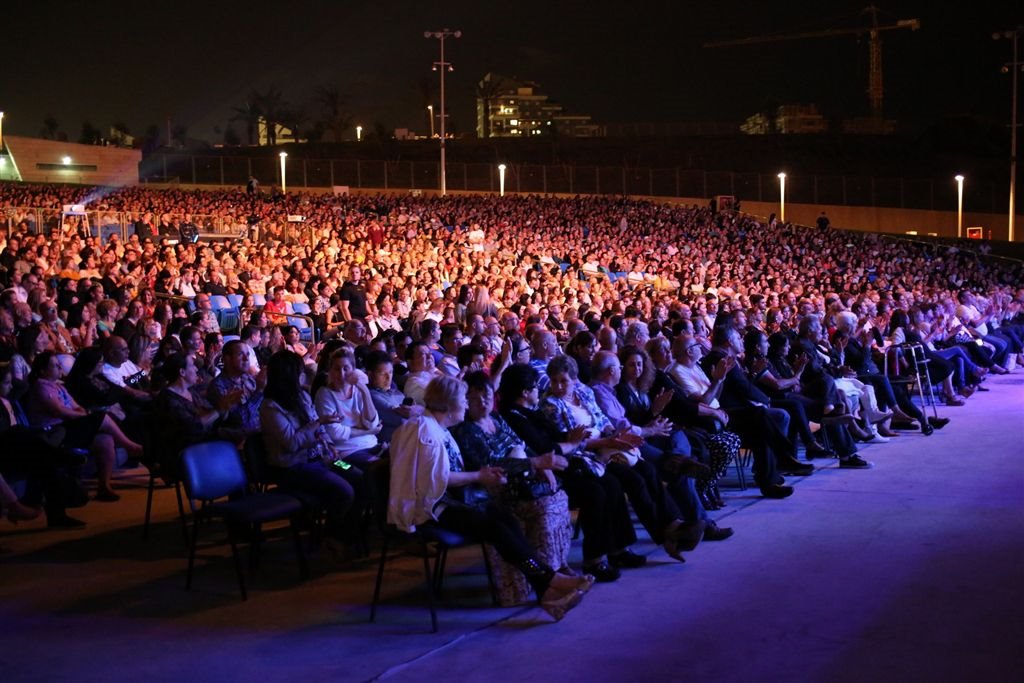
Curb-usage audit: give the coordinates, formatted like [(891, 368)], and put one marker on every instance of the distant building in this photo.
[(34, 160), (804, 119), (510, 108), (789, 119), (758, 124), (282, 134), (800, 119)]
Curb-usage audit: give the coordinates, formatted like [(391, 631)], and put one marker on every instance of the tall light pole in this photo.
[(782, 197), (959, 206), (442, 66), (430, 108), (284, 179), (359, 133), (1014, 69), (501, 180)]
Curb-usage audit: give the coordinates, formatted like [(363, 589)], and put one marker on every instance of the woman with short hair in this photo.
[(428, 484)]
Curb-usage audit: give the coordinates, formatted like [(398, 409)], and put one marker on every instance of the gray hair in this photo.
[(442, 394), (601, 362), (846, 321)]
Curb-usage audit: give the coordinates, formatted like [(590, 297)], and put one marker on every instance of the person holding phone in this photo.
[(299, 451)]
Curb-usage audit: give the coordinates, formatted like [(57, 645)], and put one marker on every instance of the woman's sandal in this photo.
[(560, 603)]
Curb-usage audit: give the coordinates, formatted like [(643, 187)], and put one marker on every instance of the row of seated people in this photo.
[(626, 443)]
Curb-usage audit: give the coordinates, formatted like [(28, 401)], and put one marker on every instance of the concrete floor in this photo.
[(911, 571)]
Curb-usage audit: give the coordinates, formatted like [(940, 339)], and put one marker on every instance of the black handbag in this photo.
[(523, 484)]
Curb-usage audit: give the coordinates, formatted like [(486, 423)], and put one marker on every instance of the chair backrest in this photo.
[(301, 308), (256, 459), (259, 300), (235, 300), (219, 302), (212, 470)]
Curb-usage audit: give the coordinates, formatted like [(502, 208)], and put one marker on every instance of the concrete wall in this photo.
[(873, 219), (114, 166)]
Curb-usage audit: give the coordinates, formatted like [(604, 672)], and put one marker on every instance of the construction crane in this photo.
[(874, 31)]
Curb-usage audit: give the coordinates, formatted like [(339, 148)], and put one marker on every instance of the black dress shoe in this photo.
[(812, 453), (796, 468), (627, 559), (776, 491), (713, 532), (601, 572), (938, 422), (927, 429)]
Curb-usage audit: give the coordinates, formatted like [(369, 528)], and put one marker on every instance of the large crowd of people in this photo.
[(498, 362)]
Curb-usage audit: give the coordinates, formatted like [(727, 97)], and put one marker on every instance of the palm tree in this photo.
[(50, 127), (273, 107), (333, 115), (249, 114)]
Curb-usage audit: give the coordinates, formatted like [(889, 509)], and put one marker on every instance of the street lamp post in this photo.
[(442, 66), (959, 206), (284, 178), (430, 108), (782, 197), (501, 180), (1014, 68), (359, 133)]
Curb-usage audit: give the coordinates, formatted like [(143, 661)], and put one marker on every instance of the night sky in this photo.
[(629, 61)]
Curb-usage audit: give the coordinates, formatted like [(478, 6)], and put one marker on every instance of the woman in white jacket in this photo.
[(427, 480)]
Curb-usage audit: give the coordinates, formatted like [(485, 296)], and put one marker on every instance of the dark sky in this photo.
[(626, 61)]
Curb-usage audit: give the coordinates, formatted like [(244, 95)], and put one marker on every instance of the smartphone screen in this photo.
[(342, 465)]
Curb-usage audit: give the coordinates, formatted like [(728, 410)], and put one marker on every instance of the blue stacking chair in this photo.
[(213, 472)]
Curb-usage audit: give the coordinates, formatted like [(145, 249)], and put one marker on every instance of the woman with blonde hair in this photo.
[(428, 483)]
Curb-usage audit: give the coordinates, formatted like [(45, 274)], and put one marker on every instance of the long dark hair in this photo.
[(283, 380), (85, 363)]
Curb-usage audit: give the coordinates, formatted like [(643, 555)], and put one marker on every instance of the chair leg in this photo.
[(440, 565), (192, 552), (149, 509), (238, 562), (299, 552), (430, 590), (255, 546), (181, 512), (380, 578), (741, 463)]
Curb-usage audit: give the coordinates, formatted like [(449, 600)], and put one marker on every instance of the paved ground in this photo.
[(911, 571)]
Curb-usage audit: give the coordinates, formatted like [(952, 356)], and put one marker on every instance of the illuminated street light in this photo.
[(284, 179), (959, 206), (359, 133), (501, 179), (782, 197), (430, 108), (66, 161), (442, 66)]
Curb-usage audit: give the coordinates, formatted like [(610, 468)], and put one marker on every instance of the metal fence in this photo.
[(849, 190), (103, 224)]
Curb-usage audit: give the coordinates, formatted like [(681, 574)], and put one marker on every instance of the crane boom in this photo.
[(875, 90)]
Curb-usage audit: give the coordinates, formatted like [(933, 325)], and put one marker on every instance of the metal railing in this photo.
[(844, 190), (104, 224)]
